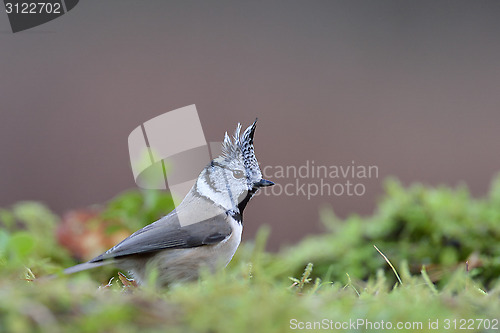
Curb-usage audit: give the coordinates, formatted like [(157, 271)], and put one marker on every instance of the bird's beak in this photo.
[(263, 183)]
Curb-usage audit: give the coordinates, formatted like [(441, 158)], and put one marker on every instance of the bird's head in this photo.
[(233, 178)]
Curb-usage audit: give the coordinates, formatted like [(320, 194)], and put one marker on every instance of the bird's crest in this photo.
[(241, 146)]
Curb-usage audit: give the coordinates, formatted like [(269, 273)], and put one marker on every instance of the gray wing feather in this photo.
[(167, 233), (86, 265)]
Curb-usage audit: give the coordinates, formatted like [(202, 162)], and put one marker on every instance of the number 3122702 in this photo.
[(33, 8), (471, 324)]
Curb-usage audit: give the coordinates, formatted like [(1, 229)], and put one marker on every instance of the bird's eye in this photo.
[(238, 174)]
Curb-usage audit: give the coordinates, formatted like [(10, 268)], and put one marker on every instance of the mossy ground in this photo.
[(443, 245)]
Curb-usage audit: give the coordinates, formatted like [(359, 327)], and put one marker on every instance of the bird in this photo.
[(203, 231)]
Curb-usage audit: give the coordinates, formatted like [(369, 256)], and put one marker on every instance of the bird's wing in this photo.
[(167, 233)]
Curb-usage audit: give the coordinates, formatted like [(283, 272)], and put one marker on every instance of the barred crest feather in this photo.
[(241, 146)]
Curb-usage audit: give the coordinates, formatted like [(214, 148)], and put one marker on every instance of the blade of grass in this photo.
[(387, 260), (349, 283), (428, 281)]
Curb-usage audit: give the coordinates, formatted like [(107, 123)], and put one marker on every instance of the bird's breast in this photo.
[(224, 251)]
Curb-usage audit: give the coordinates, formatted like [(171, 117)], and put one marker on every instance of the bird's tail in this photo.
[(86, 265)]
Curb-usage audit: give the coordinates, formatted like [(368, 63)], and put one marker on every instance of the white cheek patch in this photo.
[(223, 193), (220, 198)]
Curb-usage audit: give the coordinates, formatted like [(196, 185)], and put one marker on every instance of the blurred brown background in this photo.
[(411, 87)]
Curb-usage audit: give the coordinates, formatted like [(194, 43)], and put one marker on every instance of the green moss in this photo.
[(440, 227), (347, 280)]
